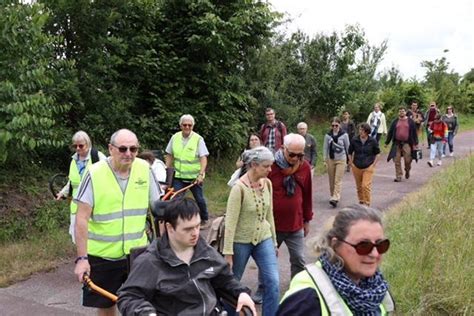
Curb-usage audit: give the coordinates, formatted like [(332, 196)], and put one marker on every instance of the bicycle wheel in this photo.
[(56, 183)]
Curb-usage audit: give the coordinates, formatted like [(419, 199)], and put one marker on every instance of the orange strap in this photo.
[(99, 290)]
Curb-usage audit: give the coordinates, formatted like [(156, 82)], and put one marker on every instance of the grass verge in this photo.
[(38, 253), (430, 265)]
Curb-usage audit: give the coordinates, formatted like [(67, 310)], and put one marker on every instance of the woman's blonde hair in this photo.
[(338, 227)]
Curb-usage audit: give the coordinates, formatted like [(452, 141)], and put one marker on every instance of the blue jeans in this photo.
[(436, 149), (198, 195), (450, 143), (266, 260)]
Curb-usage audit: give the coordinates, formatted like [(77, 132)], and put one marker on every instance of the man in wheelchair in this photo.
[(179, 274)]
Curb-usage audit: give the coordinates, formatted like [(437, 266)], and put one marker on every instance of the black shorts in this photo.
[(107, 274)]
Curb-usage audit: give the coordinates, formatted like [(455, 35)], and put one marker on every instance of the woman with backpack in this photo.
[(84, 156), (335, 148), (451, 119)]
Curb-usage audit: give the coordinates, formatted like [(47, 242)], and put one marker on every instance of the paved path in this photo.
[(57, 292)]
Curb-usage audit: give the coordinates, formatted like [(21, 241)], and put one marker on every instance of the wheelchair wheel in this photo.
[(57, 182)]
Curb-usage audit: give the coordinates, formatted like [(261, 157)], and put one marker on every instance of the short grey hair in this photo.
[(186, 117), (341, 224), (302, 125), (257, 155), (293, 138), (114, 135), (81, 135)]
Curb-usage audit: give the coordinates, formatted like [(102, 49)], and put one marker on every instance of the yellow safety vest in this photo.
[(330, 301), (117, 222), (185, 161), (75, 179)]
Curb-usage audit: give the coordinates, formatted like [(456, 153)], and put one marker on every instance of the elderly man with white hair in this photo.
[(292, 198), (187, 154), (310, 153)]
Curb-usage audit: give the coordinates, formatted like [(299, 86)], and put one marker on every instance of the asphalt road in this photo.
[(58, 292)]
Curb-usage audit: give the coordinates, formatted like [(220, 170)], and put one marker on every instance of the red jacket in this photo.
[(291, 211)]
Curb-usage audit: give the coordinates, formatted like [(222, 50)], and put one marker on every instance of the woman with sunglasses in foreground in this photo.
[(84, 156), (345, 280)]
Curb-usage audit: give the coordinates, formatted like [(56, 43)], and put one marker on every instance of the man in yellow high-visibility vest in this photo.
[(113, 199), (187, 154)]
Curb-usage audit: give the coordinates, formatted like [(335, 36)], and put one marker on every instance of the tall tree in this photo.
[(32, 80)]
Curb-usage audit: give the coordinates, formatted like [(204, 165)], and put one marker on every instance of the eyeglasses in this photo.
[(187, 125), (365, 247), (80, 146), (292, 155), (335, 125), (123, 149)]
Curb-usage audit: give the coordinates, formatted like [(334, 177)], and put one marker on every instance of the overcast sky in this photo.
[(416, 30)]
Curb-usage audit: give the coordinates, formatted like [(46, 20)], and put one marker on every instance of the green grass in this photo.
[(466, 122), (37, 253), (430, 264)]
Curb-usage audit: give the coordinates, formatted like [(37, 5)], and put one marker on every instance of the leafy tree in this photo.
[(445, 86), (33, 79), (144, 63)]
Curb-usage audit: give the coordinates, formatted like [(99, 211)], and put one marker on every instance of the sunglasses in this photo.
[(365, 247), (292, 155), (335, 125), (80, 146), (123, 149), (186, 125)]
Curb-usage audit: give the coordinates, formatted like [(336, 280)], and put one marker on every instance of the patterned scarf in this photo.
[(288, 170), (364, 298)]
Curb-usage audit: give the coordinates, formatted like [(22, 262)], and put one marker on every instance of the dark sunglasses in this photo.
[(80, 146), (365, 247), (292, 155), (335, 125), (123, 149)]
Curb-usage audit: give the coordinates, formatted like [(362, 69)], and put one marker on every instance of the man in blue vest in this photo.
[(113, 199), (187, 154)]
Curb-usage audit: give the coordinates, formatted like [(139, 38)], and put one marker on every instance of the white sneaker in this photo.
[(430, 163), (451, 154), (439, 163), (443, 155)]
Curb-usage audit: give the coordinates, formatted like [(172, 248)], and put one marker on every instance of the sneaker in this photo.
[(430, 163), (333, 203), (407, 174), (397, 180), (451, 154), (439, 163), (443, 155)]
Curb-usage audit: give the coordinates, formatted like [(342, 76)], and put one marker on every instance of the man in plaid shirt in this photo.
[(272, 132)]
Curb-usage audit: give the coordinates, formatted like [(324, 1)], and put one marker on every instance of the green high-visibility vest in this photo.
[(117, 222), (75, 179), (330, 301), (185, 161)]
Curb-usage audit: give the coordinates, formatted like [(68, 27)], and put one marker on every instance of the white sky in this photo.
[(416, 30)]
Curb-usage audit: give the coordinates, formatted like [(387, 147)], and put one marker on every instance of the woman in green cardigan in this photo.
[(250, 228)]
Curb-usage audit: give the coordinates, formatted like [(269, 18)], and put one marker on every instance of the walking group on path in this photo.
[(270, 203)]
